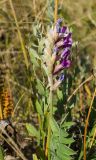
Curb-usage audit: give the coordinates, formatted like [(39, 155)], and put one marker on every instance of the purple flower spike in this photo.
[(59, 43), (66, 63), (61, 78)]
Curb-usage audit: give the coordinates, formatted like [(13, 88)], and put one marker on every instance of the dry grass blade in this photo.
[(12, 144), (19, 34), (1, 114), (17, 104), (75, 91), (3, 1), (56, 10), (86, 124)]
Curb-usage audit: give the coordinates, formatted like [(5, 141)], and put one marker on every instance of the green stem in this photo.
[(50, 115)]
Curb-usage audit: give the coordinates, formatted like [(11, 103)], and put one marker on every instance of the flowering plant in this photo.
[(56, 57)]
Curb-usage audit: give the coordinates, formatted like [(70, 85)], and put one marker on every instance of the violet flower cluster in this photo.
[(57, 49)]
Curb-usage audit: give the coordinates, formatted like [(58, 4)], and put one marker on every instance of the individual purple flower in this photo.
[(64, 64), (63, 29), (55, 50), (58, 28), (58, 81), (65, 53), (61, 77), (64, 41)]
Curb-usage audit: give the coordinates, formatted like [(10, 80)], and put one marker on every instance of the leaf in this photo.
[(45, 69), (63, 156), (34, 57), (35, 157), (56, 158), (59, 142), (41, 45), (1, 153), (32, 130), (34, 53), (64, 153), (54, 143), (68, 151), (66, 140), (59, 94), (63, 133), (67, 124), (54, 126), (40, 87), (39, 108)]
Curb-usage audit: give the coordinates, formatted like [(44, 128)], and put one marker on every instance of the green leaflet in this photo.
[(40, 87), (59, 94), (68, 151), (64, 152), (34, 57), (34, 53), (66, 140), (35, 157), (67, 124), (54, 126), (63, 133), (62, 156), (39, 108), (32, 130), (41, 45)]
